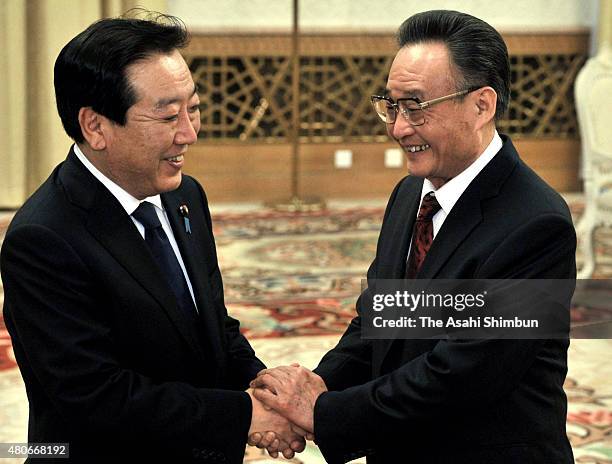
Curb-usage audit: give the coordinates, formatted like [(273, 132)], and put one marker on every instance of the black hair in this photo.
[(91, 70), (477, 51)]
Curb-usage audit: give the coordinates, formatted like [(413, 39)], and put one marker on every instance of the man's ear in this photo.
[(486, 104), (92, 127)]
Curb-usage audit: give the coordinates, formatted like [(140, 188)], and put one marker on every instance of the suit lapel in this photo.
[(394, 248), (196, 263), (109, 224), (468, 211), (394, 252), (465, 216)]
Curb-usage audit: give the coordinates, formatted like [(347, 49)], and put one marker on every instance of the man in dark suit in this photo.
[(447, 401), (113, 295)]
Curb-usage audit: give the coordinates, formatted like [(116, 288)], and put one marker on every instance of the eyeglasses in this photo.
[(410, 108)]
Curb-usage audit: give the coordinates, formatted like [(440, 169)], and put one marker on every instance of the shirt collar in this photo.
[(127, 201), (451, 191)]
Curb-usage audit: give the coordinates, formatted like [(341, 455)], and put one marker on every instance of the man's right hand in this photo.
[(272, 431)]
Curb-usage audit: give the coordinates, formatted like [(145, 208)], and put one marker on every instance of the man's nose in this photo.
[(186, 133), (400, 128)]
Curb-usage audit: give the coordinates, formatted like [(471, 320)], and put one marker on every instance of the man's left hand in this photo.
[(292, 392)]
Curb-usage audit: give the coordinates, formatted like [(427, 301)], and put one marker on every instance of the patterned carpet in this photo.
[(292, 279)]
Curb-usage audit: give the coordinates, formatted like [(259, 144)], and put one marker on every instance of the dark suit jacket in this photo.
[(110, 363), (470, 401)]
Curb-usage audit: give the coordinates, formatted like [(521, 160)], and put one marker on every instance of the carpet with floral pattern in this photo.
[(292, 280)]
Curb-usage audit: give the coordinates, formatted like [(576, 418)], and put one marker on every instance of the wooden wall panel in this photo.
[(262, 173), (245, 173), (555, 160), (245, 147)]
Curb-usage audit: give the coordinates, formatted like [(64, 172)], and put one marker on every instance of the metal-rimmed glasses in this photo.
[(410, 108)]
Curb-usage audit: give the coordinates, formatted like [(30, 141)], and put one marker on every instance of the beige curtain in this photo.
[(32, 32), (604, 40), (12, 103)]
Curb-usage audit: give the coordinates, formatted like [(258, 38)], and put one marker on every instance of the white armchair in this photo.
[(593, 90)]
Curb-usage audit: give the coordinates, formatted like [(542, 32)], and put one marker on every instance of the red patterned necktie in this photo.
[(422, 236)]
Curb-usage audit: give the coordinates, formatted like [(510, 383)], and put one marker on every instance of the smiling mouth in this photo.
[(176, 159), (416, 148)]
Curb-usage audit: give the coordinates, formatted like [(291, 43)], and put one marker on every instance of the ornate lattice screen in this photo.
[(542, 95), (245, 86)]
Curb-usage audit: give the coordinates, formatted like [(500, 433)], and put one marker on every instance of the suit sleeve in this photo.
[(65, 345), (243, 364), (456, 375)]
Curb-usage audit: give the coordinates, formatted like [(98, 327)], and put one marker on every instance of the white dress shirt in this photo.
[(129, 203)]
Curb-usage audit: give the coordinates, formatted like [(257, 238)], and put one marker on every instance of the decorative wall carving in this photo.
[(244, 97), (245, 86), (542, 96)]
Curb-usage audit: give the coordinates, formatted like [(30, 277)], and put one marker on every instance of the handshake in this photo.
[(283, 401)]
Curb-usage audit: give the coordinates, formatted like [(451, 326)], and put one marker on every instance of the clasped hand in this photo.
[(283, 408)]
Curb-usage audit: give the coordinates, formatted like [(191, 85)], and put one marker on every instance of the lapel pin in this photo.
[(184, 212)]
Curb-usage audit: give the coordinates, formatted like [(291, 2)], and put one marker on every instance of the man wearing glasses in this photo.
[(491, 217)]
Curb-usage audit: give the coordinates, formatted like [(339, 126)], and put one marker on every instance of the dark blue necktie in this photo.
[(162, 251)]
